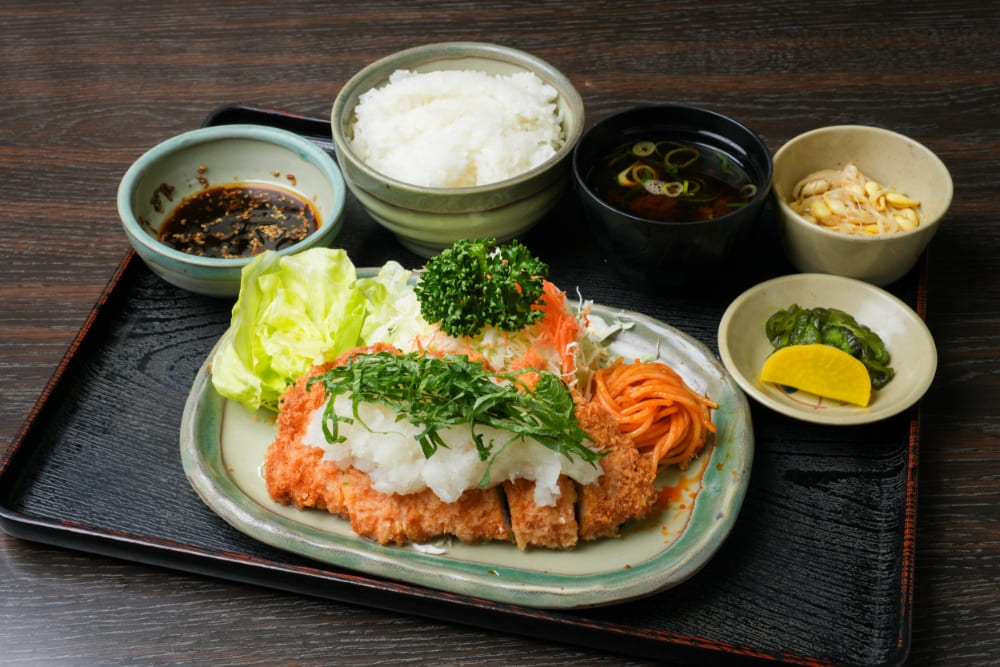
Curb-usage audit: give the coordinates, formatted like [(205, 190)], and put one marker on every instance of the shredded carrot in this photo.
[(669, 423), (558, 325), (530, 360)]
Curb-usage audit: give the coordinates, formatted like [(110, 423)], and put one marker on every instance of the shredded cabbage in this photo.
[(393, 308)]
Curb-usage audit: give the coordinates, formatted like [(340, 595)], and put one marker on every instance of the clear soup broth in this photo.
[(671, 181)]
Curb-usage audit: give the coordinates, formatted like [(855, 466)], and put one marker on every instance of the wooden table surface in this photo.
[(85, 87)]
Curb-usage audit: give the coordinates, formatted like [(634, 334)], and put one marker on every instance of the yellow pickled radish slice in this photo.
[(819, 369)]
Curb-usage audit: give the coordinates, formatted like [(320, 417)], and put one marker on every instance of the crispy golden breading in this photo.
[(549, 526), (296, 474), (624, 490), (419, 517)]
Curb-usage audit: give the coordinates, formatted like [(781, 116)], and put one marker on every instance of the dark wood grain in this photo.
[(88, 86)]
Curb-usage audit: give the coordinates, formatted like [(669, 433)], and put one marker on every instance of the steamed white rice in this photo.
[(457, 128), (393, 460)]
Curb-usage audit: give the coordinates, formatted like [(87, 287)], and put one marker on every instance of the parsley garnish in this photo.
[(477, 283), (435, 393)]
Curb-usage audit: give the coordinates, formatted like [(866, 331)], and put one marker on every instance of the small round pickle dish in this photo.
[(223, 448), (743, 345)]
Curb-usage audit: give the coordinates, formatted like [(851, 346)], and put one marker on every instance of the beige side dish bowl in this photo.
[(429, 219), (890, 158), (744, 346)]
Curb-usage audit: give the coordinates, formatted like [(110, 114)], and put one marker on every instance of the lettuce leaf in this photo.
[(292, 312)]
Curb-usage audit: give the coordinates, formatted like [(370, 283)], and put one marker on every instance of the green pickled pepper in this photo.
[(799, 326)]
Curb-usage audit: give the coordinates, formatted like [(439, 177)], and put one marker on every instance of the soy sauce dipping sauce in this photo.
[(230, 221), (670, 181)]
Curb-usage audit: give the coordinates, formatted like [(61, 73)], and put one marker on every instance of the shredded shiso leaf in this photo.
[(434, 393)]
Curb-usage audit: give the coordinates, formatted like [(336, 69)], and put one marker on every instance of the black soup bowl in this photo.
[(671, 192)]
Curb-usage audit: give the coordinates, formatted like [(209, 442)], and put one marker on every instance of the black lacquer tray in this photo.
[(818, 569)]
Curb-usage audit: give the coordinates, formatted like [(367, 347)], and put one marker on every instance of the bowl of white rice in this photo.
[(457, 140)]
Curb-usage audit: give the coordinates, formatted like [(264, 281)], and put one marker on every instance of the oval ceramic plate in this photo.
[(744, 346), (223, 448)]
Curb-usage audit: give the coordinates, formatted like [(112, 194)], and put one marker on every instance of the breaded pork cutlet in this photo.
[(550, 526), (476, 516), (296, 474), (625, 488)]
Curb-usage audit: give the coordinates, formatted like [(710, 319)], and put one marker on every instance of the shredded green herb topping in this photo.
[(476, 283), (435, 393)]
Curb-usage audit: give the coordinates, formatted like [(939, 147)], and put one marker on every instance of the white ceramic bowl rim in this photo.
[(945, 182), (455, 51), (306, 149)]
